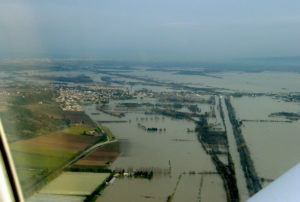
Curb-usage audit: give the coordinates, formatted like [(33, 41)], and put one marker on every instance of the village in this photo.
[(72, 97)]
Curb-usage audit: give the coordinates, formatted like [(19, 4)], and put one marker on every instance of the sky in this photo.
[(167, 30)]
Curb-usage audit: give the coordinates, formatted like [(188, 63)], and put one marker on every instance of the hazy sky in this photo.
[(150, 29)]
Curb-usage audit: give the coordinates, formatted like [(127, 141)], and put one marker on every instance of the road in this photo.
[(239, 173), (86, 151)]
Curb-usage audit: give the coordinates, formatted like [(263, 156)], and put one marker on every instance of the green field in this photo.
[(31, 112), (29, 176), (78, 130), (23, 159), (107, 132), (32, 149), (75, 183)]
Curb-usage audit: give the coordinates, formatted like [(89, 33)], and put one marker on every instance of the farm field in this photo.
[(54, 198), (36, 159), (31, 111), (75, 183), (78, 129), (101, 157), (43, 137), (60, 141)]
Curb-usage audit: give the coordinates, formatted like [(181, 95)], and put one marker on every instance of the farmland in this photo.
[(77, 129), (30, 112), (75, 183), (100, 157), (37, 159), (43, 138), (53, 197), (61, 141)]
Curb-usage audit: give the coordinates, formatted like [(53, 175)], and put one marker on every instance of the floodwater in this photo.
[(236, 81), (174, 149), (274, 146)]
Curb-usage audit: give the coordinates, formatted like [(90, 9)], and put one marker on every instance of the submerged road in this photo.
[(239, 173)]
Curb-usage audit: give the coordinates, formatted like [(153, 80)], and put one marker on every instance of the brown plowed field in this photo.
[(100, 156), (63, 141)]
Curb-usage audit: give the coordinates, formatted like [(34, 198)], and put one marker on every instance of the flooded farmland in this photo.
[(274, 146), (180, 152), (148, 101), (232, 81), (181, 129), (171, 153)]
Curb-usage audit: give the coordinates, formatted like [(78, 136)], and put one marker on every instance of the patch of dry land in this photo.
[(55, 198), (75, 183), (101, 156)]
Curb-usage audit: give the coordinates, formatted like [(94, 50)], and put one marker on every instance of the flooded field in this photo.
[(233, 81), (200, 188), (170, 153), (175, 149), (167, 144), (274, 146)]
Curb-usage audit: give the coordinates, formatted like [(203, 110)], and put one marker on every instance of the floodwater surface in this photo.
[(170, 153)]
